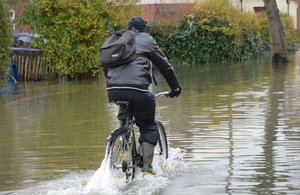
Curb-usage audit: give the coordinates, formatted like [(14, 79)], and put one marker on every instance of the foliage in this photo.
[(288, 26), (254, 40), (191, 42), (216, 32), (160, 32), (219, 16), (5, 40), (289, 32), (73, 31)]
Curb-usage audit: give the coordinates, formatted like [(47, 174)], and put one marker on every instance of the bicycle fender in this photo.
[(114, 133)]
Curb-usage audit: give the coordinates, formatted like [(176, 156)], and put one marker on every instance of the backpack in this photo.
[(118, 49)]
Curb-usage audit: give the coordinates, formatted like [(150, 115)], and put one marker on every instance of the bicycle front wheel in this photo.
[(121, 156), (161, 149)]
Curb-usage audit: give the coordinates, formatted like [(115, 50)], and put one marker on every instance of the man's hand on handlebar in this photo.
[(175, 93)]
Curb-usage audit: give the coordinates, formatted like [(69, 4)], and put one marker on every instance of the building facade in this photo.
[(167, 11), (16, 8), (298, 13), (255, 6), (172, 11)]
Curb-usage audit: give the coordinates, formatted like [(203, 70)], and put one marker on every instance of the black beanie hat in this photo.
[(137, 23)]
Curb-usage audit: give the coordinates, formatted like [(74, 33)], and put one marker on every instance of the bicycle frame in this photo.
[(125, 136), (130, 121), (128, 131)]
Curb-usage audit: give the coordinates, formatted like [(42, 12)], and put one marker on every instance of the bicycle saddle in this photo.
[(124, 104)]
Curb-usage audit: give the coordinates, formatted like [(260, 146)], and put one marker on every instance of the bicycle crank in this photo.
[(124, 166)]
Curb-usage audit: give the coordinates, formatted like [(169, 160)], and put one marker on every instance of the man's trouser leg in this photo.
[(145, 120), (144, 112)]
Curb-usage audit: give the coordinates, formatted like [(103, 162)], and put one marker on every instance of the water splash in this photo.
[(103, 182)]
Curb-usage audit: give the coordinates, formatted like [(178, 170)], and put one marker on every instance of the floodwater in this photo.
[(234, 130)]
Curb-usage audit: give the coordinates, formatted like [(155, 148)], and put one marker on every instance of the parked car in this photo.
[(23, 43)]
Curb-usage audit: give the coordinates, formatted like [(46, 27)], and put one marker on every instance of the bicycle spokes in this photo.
[(121, 156)]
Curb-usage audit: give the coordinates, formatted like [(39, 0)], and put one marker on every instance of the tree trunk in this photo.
[(276, 32)]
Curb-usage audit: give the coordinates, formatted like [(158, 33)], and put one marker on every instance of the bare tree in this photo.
[(276, 32)]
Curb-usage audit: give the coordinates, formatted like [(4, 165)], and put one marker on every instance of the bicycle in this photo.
[(122, 152)]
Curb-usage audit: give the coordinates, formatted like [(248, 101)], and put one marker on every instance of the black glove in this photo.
[(173, 93)]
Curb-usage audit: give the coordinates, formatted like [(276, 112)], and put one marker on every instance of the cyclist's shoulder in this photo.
[(144, 38)]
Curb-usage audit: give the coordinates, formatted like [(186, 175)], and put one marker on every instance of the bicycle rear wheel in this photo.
[(121, 156), (161, 148)]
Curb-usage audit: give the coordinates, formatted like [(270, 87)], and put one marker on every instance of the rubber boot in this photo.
[(148, 152)]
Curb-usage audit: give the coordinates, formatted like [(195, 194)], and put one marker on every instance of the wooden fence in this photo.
[(32, 67)]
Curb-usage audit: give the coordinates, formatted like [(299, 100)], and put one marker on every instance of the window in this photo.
[(258, 10), (13, 17)]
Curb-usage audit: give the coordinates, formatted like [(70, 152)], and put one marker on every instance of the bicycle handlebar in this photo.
[(165, 93)]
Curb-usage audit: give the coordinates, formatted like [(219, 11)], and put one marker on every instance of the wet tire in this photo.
[(161, 148), (120, 153)]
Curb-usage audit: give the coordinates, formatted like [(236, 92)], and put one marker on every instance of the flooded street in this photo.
[(234, 130)]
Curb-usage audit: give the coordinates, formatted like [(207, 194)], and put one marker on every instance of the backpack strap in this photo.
[(155, 82), (151, 73)]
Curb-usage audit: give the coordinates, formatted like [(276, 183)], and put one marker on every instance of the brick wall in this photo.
[(170, 13), (18, 7), (298, 13), (166, 13)]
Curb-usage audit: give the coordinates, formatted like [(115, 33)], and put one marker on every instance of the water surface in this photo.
[(234, 130)]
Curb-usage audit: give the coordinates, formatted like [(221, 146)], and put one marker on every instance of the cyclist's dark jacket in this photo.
[(136, 74)]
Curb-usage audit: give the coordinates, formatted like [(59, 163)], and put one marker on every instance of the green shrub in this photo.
[(73, 31), (5, 40), (215, 32), (218, 32), (160, 32), (191, 43), (289, 33)]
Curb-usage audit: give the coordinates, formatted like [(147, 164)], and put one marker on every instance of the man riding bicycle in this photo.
[(130, 83)]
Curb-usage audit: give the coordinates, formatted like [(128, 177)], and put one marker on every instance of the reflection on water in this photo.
[(48, 129), (238, 123)]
